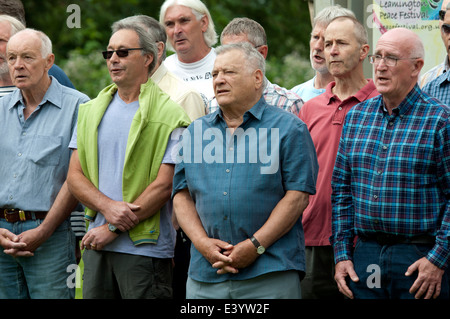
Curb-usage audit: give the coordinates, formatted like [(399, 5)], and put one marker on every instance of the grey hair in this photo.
[(15, 24), (254, 31), (153, 26), (328, 14), (46, 43), (254, 59), (147, 39), (359, 30), (200, 10)]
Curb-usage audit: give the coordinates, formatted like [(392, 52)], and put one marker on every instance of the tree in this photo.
[(287, 25)]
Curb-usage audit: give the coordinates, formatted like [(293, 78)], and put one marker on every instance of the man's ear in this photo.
[(50, 60), (259, 78)]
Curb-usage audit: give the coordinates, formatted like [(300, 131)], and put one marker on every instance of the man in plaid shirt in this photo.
[(391, 183)]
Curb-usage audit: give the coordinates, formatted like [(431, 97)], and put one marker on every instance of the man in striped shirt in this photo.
[(391, 183)]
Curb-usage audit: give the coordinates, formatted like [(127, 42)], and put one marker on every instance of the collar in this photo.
[(408, 102), (256, 112), (53, 95), (361, 95)]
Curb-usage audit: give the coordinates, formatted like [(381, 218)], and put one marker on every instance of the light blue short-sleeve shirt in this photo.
[(34, 153)]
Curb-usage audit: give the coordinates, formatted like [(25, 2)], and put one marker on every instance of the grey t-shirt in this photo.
[(112, 141)]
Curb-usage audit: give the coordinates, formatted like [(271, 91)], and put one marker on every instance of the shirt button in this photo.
[(385, 147), (231, 148), (375, 196), (340, 108), (225, 193), (227, 170), (391, 123), (19, 154), (380, 172), (225, 217)]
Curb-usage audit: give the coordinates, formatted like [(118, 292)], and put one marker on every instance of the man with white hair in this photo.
[(8, 27), (38, 120), (191, 34)]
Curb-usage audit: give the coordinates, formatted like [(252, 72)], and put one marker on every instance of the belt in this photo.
[(391, 239), (13, 215)]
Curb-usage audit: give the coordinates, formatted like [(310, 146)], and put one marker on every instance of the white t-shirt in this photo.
[(198, 74)]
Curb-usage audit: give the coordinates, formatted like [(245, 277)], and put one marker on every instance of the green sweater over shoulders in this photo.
[(154, 121)]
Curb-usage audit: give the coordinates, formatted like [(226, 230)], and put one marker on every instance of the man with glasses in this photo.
[(248, 30), (345, 49), (122, 171), (445, 35), (391, 183)]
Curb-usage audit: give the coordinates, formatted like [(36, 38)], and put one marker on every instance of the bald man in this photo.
[(391, 183)]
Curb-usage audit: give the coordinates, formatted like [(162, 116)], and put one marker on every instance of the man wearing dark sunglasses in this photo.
[(122, 171), (444, 27)]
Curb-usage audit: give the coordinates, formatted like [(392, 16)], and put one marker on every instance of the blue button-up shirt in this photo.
[(392, 174), (237, 181), (34, 154), (439, 88)]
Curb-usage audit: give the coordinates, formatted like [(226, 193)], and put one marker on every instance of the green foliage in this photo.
[(88, 72), (287, 24)]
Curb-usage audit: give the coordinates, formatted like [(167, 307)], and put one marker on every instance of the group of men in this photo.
[(263, 192)]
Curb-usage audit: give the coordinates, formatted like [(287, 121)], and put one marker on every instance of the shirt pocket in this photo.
[(46, 150)]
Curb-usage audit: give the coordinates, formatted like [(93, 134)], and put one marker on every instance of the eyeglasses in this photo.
[(445, 28), (442, 14), (121, 53), (388, 60)]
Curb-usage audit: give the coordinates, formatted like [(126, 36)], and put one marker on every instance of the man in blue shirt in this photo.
[(241, 185), (391, 183), (37, 123), (439, 88)]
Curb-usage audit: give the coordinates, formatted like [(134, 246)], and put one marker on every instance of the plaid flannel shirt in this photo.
[(392, 174)]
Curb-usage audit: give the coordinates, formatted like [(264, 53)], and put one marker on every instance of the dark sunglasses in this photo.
[(121, 53), (442, 14), (446, 28)]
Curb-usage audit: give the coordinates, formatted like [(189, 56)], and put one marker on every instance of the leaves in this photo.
[(287, 25)]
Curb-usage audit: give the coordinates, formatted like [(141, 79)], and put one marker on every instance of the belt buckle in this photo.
[(7, 212)]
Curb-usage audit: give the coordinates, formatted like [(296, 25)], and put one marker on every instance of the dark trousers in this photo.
[(110, 275), (319, 280)]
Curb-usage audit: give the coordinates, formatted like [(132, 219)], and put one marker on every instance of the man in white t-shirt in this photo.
[(191, 34)]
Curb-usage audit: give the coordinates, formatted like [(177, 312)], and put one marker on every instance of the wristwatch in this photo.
[(259, 248), (114, 229)]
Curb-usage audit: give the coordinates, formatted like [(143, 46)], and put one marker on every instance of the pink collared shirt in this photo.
[(324, 115)]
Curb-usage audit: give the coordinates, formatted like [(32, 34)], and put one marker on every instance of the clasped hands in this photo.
[(22, 245), (225, 257), (120, 214)]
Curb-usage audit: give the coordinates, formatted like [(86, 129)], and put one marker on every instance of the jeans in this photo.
[(381, 270), (43, 276)]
